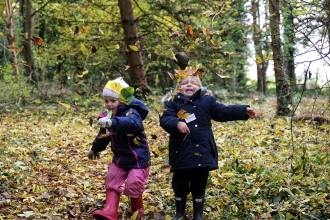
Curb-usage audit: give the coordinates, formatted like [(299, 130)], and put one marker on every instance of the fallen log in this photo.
[(311, 117)]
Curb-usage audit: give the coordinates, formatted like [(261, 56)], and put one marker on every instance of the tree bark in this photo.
[(27, 43), (10, 36), (289, 49), (259, 47), (137, 74), (282, 86)]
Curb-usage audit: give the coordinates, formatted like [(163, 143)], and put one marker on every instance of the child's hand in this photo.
[(105, 122), (183, 128), (251, 112), (93, 155)]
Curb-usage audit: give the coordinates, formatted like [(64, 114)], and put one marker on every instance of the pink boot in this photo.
[(111, 206), (137, 205)]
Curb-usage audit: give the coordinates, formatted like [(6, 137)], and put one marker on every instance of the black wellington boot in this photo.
[(198, 203), (180, 205)]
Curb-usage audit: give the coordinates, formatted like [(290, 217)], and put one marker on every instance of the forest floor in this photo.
[(269, 168)]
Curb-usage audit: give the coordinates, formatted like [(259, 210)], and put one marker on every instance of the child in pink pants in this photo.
[(121, 125)]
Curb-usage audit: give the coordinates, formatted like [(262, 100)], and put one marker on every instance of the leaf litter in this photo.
[(267, 169)]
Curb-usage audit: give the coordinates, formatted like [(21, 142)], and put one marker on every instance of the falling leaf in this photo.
[(94, 49), (83, 49), (133, 47), (76, 30), (91, 121), (270, 56), (127, 67), (84, 29), (171, 75), (37, 40), (189, 30), (258, 59), (183, 114)]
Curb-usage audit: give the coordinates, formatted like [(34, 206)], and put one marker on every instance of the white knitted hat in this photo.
[(113, 87)]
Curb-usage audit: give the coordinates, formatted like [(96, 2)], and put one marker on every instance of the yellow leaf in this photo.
[(258, 59), (265, 55), (80, 76), (133, 47), (135, 215), (2, 34), (204, 31), (67, 106), (56, 55), (38, 101), (270, 56), (83, 49)]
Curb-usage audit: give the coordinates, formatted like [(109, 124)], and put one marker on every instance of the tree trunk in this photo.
[(27, 43), (282, 86), (137, 74), (258, 46), (10, 36), (289, 49)]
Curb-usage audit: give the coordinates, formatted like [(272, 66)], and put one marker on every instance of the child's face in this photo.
[(190, 85), (111, 103)]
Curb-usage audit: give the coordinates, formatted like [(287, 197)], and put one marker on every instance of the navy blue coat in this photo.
[(128, 139), (197, 149)]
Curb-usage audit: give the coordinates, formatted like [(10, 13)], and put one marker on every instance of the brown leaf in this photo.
[(189, 30), (36, 40), (94, 49), (183, 114), (90, 121), (84, 29), (76, 30)]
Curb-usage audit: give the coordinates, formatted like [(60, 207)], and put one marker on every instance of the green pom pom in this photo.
[(126, 95)]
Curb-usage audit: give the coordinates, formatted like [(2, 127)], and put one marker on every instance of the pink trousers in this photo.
[(135, 180)]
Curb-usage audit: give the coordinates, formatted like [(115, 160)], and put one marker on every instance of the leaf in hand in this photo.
[(183, 114)]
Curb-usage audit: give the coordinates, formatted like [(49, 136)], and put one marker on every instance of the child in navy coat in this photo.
[(121, 125), (192, 148)]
